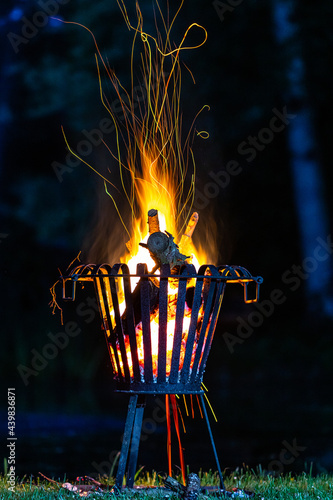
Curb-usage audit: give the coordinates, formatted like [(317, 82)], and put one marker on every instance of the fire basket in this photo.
[(159, 335)]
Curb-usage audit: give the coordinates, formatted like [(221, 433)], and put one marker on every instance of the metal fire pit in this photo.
[(142, 360)]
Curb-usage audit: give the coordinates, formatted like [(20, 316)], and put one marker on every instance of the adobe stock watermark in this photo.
[(31, 27), (293, 278), (93, 138), (223, 7), (57, 342), (149, 426), (249, 148), (287, 456)]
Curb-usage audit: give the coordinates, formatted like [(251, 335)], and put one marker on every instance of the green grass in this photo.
[(266, 487)]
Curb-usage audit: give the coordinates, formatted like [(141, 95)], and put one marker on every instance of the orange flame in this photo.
[(156, 165), (157, 162)]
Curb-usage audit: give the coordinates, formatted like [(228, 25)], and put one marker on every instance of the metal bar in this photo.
[(112, 339), (65, 296), (119, 327), (229, 279), (145, 315), (213, 444), (203, 330), (177, 340), (126, 441), (130, 323), (133, 458), (192, 330), (107, 328), (214, 316), (163, 322), (246, 296)]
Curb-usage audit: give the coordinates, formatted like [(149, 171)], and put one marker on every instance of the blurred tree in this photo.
[(308, 181)]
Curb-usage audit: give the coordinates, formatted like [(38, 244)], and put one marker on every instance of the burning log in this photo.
[(153, 225), (186, 247), (185, 244), (161, 246), (164, 250), (153, 222)]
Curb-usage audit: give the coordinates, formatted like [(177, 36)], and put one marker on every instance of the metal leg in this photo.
[(126, 441), (213, 444), (133, 458)]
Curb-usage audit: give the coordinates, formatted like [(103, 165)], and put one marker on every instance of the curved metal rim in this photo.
[(228, 273)]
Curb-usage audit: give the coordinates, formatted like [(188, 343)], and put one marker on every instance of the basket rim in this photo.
[(224, 272)]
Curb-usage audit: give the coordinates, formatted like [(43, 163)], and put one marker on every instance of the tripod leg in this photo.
[(133, 458), (126, 441), (213, 444)]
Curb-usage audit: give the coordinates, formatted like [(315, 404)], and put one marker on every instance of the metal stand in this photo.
[(213, 444), (131, 441)]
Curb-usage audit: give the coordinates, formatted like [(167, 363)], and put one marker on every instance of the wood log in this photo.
[(158, 243), (186, 244), (190, 492), (164, 250), (153, 225), (174, 485), (153, 222)]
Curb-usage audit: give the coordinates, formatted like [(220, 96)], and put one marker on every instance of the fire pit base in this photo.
[(158, 335), (131, 440), (160, 388)]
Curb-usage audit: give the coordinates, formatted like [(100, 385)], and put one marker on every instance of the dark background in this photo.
[(271, 388)]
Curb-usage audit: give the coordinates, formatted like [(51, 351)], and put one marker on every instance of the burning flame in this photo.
[(159, 180), (156, 166)]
